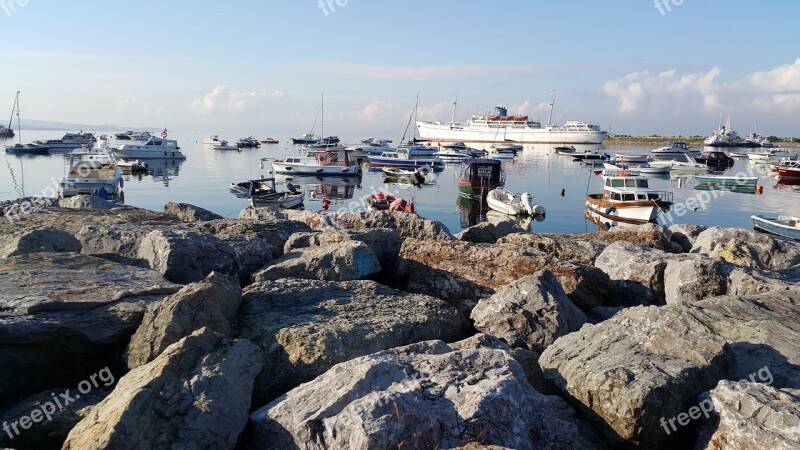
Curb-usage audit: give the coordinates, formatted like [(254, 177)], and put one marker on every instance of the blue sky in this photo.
[(255, 67)]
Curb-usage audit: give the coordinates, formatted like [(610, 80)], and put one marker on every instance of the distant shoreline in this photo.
[(659, 141)]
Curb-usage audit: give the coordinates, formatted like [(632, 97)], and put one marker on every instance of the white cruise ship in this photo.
[(501, 127)]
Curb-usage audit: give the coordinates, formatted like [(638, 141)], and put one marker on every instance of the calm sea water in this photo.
[(203, 179)]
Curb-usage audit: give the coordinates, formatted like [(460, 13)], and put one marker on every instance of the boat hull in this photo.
[(780, 226), (727, 181), (317, 171), (459, 133), (636, 213)]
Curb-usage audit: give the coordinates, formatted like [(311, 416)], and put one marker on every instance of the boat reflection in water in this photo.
[(792, 184), (334, 188), (162, 170), (728, 188)]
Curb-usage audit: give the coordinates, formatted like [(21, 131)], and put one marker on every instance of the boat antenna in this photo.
[(552, 103), (19, 125), (322, 112)]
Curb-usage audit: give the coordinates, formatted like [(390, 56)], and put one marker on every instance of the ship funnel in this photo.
[(500, 111)]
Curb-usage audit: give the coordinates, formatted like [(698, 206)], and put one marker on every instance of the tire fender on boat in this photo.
[(610, 209), (121, 183)]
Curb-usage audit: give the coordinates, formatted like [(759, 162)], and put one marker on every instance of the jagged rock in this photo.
[(636, 272), (85, 202), (409, 225), (52, 428), (421, 396), (763, 330), (602, 313), (35, 241), (118, 243), (692, 278), (749, 416), (466, 272), (63, 316), (384, 242), (643, 364), (530, 313), (304, 327), (12, 210), (252, 253), (274, 232), (351, 260), (685, 235), (187, 256), (564, 248), (189, 213), (211, 303), (267, 214), (529, 359), (747, 248), (489, 232), (196, 394)]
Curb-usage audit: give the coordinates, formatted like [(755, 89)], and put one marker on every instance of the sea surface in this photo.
[(555, 181)]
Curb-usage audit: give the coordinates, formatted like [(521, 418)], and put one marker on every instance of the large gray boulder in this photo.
[(530, 313), (641, 365), (351, 260), (466, 272), (762, 330), (252, 253), (85, 202), (636, 272), (63, 316), (48, 431), (275, 231), (196, 394), (304, 327), (211, 303), (409, 225), (747, 248), (565, 248), (36, 241), (425, 395), (685, 235), (187, 256), (189, 213), (384, 242), (490, 232), (744, 416), (693, 278)]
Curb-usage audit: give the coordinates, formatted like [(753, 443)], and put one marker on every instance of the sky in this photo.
[(632, 66)]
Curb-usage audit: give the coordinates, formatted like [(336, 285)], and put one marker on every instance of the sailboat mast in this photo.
[(19, 125), (552, 103), (322, 127)]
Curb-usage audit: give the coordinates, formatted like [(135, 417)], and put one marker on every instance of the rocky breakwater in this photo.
[(301, 329)]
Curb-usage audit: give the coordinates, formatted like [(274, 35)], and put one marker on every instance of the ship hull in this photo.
[(446, 133)]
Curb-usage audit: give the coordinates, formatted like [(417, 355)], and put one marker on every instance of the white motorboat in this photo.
[(153, 148), (92, 177), (451, 155), (502, 200), (590, 156), (623, 158), (627, 198), (326, 162), (648, 169), (677, 148), (690, 165), (372, 148), (215, 143), (69, 141), (507, 147), (773, 155), (565, 149), (404, 158), (128, 137)]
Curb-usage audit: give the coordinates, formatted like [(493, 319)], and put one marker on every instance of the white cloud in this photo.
[(221, 98), (670, 93), (433, 72)]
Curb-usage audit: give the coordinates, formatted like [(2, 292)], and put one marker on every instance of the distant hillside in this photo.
[(47, 125)]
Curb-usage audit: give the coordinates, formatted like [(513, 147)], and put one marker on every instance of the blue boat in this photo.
[(784, 226), (402, 158), (727, 180)]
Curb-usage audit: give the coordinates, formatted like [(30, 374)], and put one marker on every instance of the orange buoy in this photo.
[(326, 204), (760, 189)]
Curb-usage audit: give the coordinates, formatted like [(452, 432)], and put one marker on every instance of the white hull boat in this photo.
[(785, 226), (504, 201), (154, 148)]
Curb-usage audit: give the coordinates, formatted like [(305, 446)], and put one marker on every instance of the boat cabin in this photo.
[(482, 172), (331, 157), (623, 187)]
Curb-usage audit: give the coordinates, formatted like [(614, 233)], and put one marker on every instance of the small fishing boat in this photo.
[(403, 158), (479, 176), (590, 156), (386, 202), (787, 170), (650, 170), (262, 193), (449, 155), (627, 199), (307, 138), (688, 166), (785, 226), (326, 162), (419, 176), (504, 201), (727, 180), (507, 148), (19, 147), (565, 149), (773, 155), (715, 159), (269, 141)]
